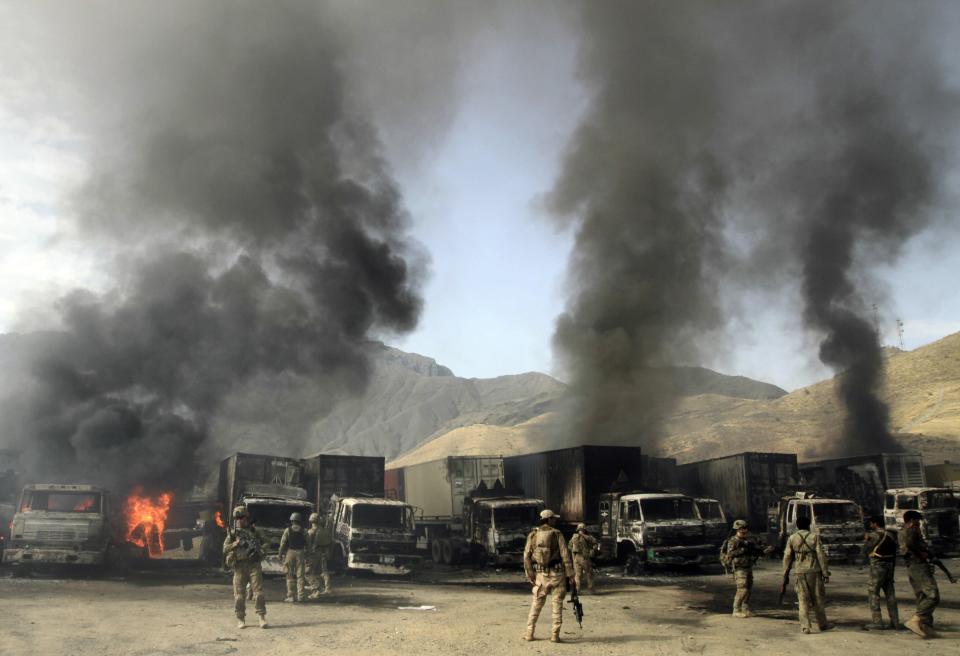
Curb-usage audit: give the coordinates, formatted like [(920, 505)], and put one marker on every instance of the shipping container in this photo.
[(864, 479), (946, 474), (327, 475), (570, 481), (660, 474), (251, 473), (746, 484)]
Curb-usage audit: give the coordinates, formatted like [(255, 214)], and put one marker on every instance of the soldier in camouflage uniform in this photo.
[(880, 550), (243, 551), (916, 555), (583, 546), (319, 541), (742, 552), (549, 569), (804, 553), (293, 553)]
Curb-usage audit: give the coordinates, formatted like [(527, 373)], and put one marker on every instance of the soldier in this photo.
[(547, 564), (916, 555), (318, 547), (742, 553), (243, 550), (293, 553), (880, 549), (583, 547), (804, 553)]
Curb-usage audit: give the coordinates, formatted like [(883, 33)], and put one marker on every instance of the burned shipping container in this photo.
[(333, 474), (746, 484), (864, 479), (437, 488), (571, 481), (660, 474), (241, 473)]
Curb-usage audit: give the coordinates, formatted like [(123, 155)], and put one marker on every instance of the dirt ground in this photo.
[(172, 609)]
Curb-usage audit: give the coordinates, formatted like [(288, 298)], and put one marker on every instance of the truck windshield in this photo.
[(661, 509), (933, 500), (264, 515), (515, 516), (835, 513), (78, 502), (709, 509), (377, 516)]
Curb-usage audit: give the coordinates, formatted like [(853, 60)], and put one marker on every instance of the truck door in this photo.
[(606, 519)]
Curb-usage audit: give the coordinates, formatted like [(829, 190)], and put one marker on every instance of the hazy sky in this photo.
[(498, 266)]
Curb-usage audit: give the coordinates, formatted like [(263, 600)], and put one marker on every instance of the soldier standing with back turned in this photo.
[(243, 550), (880, 549), (583, 546), (547, 564), (318, 545), (804, 553), (916, 555), (293, 553)]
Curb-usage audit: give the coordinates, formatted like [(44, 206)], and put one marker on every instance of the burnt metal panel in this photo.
[(393, 484), (864, 479), (746, 484), (342, 475), (570, 481), (660, 474), (241, 469)]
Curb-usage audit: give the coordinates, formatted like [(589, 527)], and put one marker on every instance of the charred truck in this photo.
[(838, 522), (603, 487), (375, 535), (271, 489), (464, 512), (864, 479), (328, 476), (61, 524), (940, 508)]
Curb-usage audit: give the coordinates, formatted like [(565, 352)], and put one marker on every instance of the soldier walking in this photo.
[(804, 553), (293, 553), (741, 554), (243, 550), (318, 547), (583, 547), (549, 569), (916, 555), (880, 549)]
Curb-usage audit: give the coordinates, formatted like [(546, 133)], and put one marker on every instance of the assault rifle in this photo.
[(577, 606), (939, 563), (250, 549), (783, 586)]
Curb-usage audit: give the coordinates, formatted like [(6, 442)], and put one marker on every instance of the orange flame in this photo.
[(84, 505), (218, 518), (146, 519)]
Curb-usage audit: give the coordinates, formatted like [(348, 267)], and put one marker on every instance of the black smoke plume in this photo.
[(807, 135), (257, 234)]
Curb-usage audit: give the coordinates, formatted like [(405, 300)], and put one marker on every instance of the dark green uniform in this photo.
[(880, 549), (916, 555)]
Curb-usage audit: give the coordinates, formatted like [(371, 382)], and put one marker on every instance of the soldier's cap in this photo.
[(314, 517), (547, 514), (739, 524), (240, 511), (911, 515), (581, 526), (295, 517)]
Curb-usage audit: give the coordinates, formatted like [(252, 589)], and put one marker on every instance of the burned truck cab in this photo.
[(652, 528), (940, 508), (61, 524), (375, 535), (497, 527), (269, 508), (838, 522)]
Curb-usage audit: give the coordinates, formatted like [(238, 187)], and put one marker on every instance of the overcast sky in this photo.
[(498, 266)]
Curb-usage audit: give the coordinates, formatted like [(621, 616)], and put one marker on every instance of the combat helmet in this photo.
[(739, 524), (239, 511), (295, 517), (314, 517)]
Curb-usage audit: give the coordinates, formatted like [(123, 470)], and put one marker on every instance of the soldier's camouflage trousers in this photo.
[(811, 597), (582, 571), (551, 584), (244, 572), (295, 563), (743, 577), (881, 579), (317, 570), (925, 588)]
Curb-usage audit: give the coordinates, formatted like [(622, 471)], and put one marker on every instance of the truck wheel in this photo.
[(436, 551), (447, 552)]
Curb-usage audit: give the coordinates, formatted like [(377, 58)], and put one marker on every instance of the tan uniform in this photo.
[(246, 570), (916, 555), (804, 553), (547, 561), (742, 553), (319, 542), (293, 552), (582, 547)]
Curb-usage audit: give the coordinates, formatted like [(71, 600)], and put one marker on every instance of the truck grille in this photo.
[(63, 534)]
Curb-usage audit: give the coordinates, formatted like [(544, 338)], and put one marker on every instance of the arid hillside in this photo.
[(922, 388)]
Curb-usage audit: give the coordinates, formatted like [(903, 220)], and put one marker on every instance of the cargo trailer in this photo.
[(327, 475), (864, 479)]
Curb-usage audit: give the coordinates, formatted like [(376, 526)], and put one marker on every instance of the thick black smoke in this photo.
[(259, 236), (807, 135)]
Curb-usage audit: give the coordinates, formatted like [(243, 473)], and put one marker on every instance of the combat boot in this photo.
[(555, 637), (528, 636), (263, 621), (241, 624), (916, 625)]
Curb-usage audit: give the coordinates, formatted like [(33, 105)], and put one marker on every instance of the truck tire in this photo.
[(436, 551), (448, 555)]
